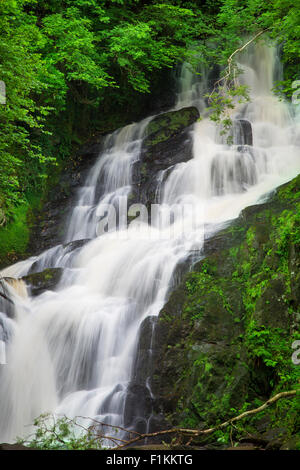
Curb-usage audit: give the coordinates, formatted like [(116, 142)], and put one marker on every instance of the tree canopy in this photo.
[(58, 54)]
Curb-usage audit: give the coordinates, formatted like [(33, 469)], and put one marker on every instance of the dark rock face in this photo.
[(138, 407), (46, 280), (168, 142), (242, 132), (161, 130), (49, 224), (224, 337), (247, 132), (75, 245)]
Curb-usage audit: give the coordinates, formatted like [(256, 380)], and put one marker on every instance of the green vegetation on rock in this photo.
[(164, 126), (228, 329)]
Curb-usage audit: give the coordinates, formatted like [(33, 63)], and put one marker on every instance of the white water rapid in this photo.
[(72, 351)]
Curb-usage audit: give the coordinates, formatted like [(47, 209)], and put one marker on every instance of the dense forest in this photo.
[(80, 67), (75, 71)]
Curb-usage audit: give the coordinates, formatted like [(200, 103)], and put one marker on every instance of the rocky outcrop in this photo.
[(48, 225), (168, 142), (45, 280), (6, 303), (162, 136), (242, 132), (222, 343)]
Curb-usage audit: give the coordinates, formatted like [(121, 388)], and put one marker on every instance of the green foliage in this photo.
[(238, 324), (52, 433), (238, 22), (60, 63), (157, 39), (63, 68), (22, 163), (224, 100), (14, 236)]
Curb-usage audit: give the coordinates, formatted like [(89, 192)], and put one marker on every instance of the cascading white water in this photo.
[(112, 175), (192, 87), (72, 351)]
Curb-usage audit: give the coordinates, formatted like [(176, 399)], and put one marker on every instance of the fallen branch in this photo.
[(97, 436), (228, 69), (198, 432)]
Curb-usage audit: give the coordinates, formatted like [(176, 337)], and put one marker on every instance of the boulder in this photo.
[(168, 142), (43, 281), (138, 407), (242, 132), (160, 145)]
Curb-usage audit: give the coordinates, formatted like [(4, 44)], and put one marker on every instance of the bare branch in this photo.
[(110, 425), (197, 432), (228, 69), (121, 443)]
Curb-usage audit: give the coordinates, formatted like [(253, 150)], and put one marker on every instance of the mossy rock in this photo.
[(43, 281), (168, 142), (167, 125), (222, 343)]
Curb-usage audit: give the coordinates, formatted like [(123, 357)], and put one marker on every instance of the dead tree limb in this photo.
[(198, 432), (121, 442), (228, 70)]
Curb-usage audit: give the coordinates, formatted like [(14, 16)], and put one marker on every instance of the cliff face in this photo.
[(223, 342)]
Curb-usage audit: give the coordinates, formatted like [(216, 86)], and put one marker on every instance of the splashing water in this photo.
[(72, 351)]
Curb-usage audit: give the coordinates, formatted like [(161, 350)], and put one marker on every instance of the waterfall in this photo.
[(72, 351)]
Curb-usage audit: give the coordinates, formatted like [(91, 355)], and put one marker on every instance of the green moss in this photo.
[(168, 124), (290, 190), (238, 319), (15, 236)]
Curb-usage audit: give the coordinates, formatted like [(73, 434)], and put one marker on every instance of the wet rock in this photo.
[(204, 353), (162, 136), (43, 281), (75, 245), (242, 132), (6, 303), (143, 359), (168, 142), (48, 225), (138, 407), (58, 256)]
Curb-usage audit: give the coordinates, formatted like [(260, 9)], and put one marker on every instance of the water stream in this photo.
[(72, 351)]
